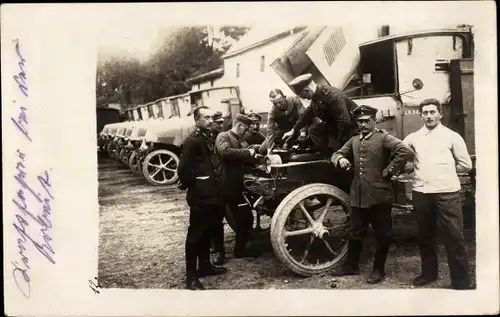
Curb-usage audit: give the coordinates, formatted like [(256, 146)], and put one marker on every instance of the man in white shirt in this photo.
[(440, 154)]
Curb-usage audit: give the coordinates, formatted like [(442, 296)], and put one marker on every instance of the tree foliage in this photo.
[(188, 52)]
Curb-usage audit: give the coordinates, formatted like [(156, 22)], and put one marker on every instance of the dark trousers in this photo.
[(443, 210), (201, 224), (379, 216), (217, 233), (243, 218)]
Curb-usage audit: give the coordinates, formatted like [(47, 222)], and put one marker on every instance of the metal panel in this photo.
[(336, 54)]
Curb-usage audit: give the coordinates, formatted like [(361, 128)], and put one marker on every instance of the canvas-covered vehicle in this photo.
[(125, 148), (305, 196), (139, 148), (108, 136), (164, 137), (164, 140)]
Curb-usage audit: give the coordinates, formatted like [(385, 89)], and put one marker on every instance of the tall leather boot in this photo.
[(378, 273)]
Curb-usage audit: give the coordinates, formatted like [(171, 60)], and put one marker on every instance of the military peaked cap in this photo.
[(255, 116), (364, 112), (301, 82), (218, 117), (244, 119)]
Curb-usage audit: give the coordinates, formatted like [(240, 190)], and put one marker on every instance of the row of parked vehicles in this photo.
[(309, 210)]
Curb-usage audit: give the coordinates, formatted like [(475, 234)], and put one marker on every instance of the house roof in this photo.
[(216, 73), (260, 35)]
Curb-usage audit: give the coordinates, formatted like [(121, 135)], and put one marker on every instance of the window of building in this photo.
[(139, 112), (237, 70), (262, 63), (212, 83), (198, 86)]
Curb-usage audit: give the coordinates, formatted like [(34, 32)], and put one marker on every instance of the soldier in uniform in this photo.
[(217, 235), (283, 115), (198, 175), (371, 191), (253, 136), (332, 107), (218, 124), (232, 153)]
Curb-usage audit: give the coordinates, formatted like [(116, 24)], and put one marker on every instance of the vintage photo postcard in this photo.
[(250, 158)]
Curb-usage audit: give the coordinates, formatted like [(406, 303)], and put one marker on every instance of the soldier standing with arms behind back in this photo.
[(441, 154), (231, 154), (204, 197), (371, 191)]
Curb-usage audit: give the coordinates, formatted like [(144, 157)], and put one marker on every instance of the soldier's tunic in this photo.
[(335, 111), (371, 192), (231, 154), (254, 138), (281, 120), (198, 174)]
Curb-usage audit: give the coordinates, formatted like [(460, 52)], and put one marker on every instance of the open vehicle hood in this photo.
[(328, 52)]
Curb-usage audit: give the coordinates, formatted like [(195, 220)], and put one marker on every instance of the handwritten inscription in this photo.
[(33, 198), (94, 285), (21, 122)]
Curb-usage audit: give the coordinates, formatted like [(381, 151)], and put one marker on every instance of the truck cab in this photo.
[(393, 73)]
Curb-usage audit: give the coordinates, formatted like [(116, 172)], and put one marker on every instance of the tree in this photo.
[(187, 52)]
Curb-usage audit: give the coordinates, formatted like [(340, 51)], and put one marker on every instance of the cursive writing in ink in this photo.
[(32, 221)]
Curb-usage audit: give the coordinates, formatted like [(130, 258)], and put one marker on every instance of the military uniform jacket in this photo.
[(198, 170), (280, 121), (253, 139), (231, 154), (373, 156), (335, 109)]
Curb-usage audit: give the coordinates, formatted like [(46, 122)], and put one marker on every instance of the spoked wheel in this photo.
[(121, 155), (134, 163), (309, 229), (109, 150), (160, 167)]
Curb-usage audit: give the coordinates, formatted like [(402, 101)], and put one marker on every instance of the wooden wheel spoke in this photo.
[(306, 251), (154, 165), (156, 173), (327, 245), (164, 176), (306, 213), (298, 232), (327, 206), (159, 159), (170, 169), (168, 162)]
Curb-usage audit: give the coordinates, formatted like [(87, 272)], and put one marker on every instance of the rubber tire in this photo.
[(134, 166), (281, 214), (145, 167)]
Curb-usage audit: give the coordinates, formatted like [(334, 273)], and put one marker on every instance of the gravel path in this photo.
[(143, 228)]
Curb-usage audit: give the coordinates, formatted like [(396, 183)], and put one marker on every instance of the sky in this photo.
[(141, 37)]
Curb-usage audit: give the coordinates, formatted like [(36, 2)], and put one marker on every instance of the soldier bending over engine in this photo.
[(283, 115), (371, 191), (332, 107)]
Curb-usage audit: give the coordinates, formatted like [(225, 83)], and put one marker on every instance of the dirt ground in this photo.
[(143, 229)]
